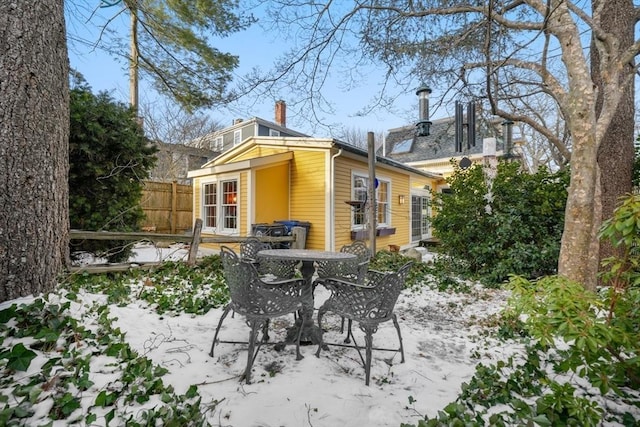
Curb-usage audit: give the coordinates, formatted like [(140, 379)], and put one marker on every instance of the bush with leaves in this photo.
[(109, 158), (570, 333), (512, 226)]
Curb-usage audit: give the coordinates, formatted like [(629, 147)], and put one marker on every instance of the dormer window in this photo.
[(237, 137), (273, 132)]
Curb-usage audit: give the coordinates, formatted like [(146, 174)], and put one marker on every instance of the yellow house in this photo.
[(318, 181)]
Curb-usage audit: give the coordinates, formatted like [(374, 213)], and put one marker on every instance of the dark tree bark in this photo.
[(34, 131), (616, 150)]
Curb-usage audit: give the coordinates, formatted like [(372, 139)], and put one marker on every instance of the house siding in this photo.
[(400, 215), (299, 188), (342, 188), (270, 204), (308, 190)]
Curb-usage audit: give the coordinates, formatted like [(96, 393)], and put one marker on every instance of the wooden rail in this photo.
[(194, 239)]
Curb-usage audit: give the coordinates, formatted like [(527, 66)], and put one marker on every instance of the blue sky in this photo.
[(254, 47)]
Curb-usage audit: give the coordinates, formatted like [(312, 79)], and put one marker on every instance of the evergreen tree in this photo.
[(109, 159)]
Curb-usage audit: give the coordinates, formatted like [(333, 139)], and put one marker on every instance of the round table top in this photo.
[(306, 255)]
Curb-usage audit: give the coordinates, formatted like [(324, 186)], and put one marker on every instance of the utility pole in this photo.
[(371, 196), (133, 61)]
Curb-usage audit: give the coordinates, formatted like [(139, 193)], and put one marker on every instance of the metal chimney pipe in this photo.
[(423, 125)]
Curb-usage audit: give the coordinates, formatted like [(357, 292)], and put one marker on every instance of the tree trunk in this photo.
[(616, 150), (34, 159), (577, 260)]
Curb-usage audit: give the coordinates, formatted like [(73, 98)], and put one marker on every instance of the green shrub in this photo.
[(172, 288), (513, 226), (109, 158), (568, 332)]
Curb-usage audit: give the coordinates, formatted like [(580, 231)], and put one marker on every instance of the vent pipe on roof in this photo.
[(507, 136), (423, 125)]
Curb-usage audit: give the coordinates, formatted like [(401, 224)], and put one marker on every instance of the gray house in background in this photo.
[(175, 160), (241, 129), (434, 152)]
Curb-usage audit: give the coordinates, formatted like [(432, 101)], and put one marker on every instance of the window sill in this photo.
[(387, 231), (364, 234)]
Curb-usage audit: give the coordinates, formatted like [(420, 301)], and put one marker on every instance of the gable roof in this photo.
[(385, 160), (213, 166)]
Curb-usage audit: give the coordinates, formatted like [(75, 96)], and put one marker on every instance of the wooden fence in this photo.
[(168, 207)]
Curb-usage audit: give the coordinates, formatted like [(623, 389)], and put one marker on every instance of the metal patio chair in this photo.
[(369, 305), (258, 301), (349, 271), (279, 269)]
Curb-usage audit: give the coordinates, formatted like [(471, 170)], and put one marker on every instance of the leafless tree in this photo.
[(500, 51), (358, 137), (170, 123)]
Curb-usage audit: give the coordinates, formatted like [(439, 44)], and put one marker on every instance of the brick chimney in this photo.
[(281, 113)]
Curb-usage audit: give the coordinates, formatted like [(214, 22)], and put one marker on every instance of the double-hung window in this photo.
[(359, 188), (220, 206), (210, 205), (217, 143)]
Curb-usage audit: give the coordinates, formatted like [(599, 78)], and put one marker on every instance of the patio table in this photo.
[(310, 332)]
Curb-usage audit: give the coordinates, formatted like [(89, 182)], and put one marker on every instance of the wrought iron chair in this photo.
[(353, 271), (258, 301), (279, 269), (347, 270), (367, 304), (363, 254), (250, 247)]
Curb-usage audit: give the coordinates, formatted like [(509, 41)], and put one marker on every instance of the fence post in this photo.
[(300, 234), (174, 206), (195, 242)]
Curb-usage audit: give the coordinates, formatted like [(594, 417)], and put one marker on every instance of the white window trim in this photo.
[(426, 194), (388, 201), (218, 143), (237, 137), (203, 211), (273, 132), (221, 221), (219, 214)]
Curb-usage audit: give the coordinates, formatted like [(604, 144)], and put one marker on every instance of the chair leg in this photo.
[(347, 340), (357, 347), (265, 331), (369, 344), (299, 355), (215, 337), (320, 314), (395, 323), (251, 351)]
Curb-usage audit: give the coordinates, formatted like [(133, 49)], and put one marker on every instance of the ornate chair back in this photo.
[(279, 269), (368, 305), (363, 254), (250, 247)]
